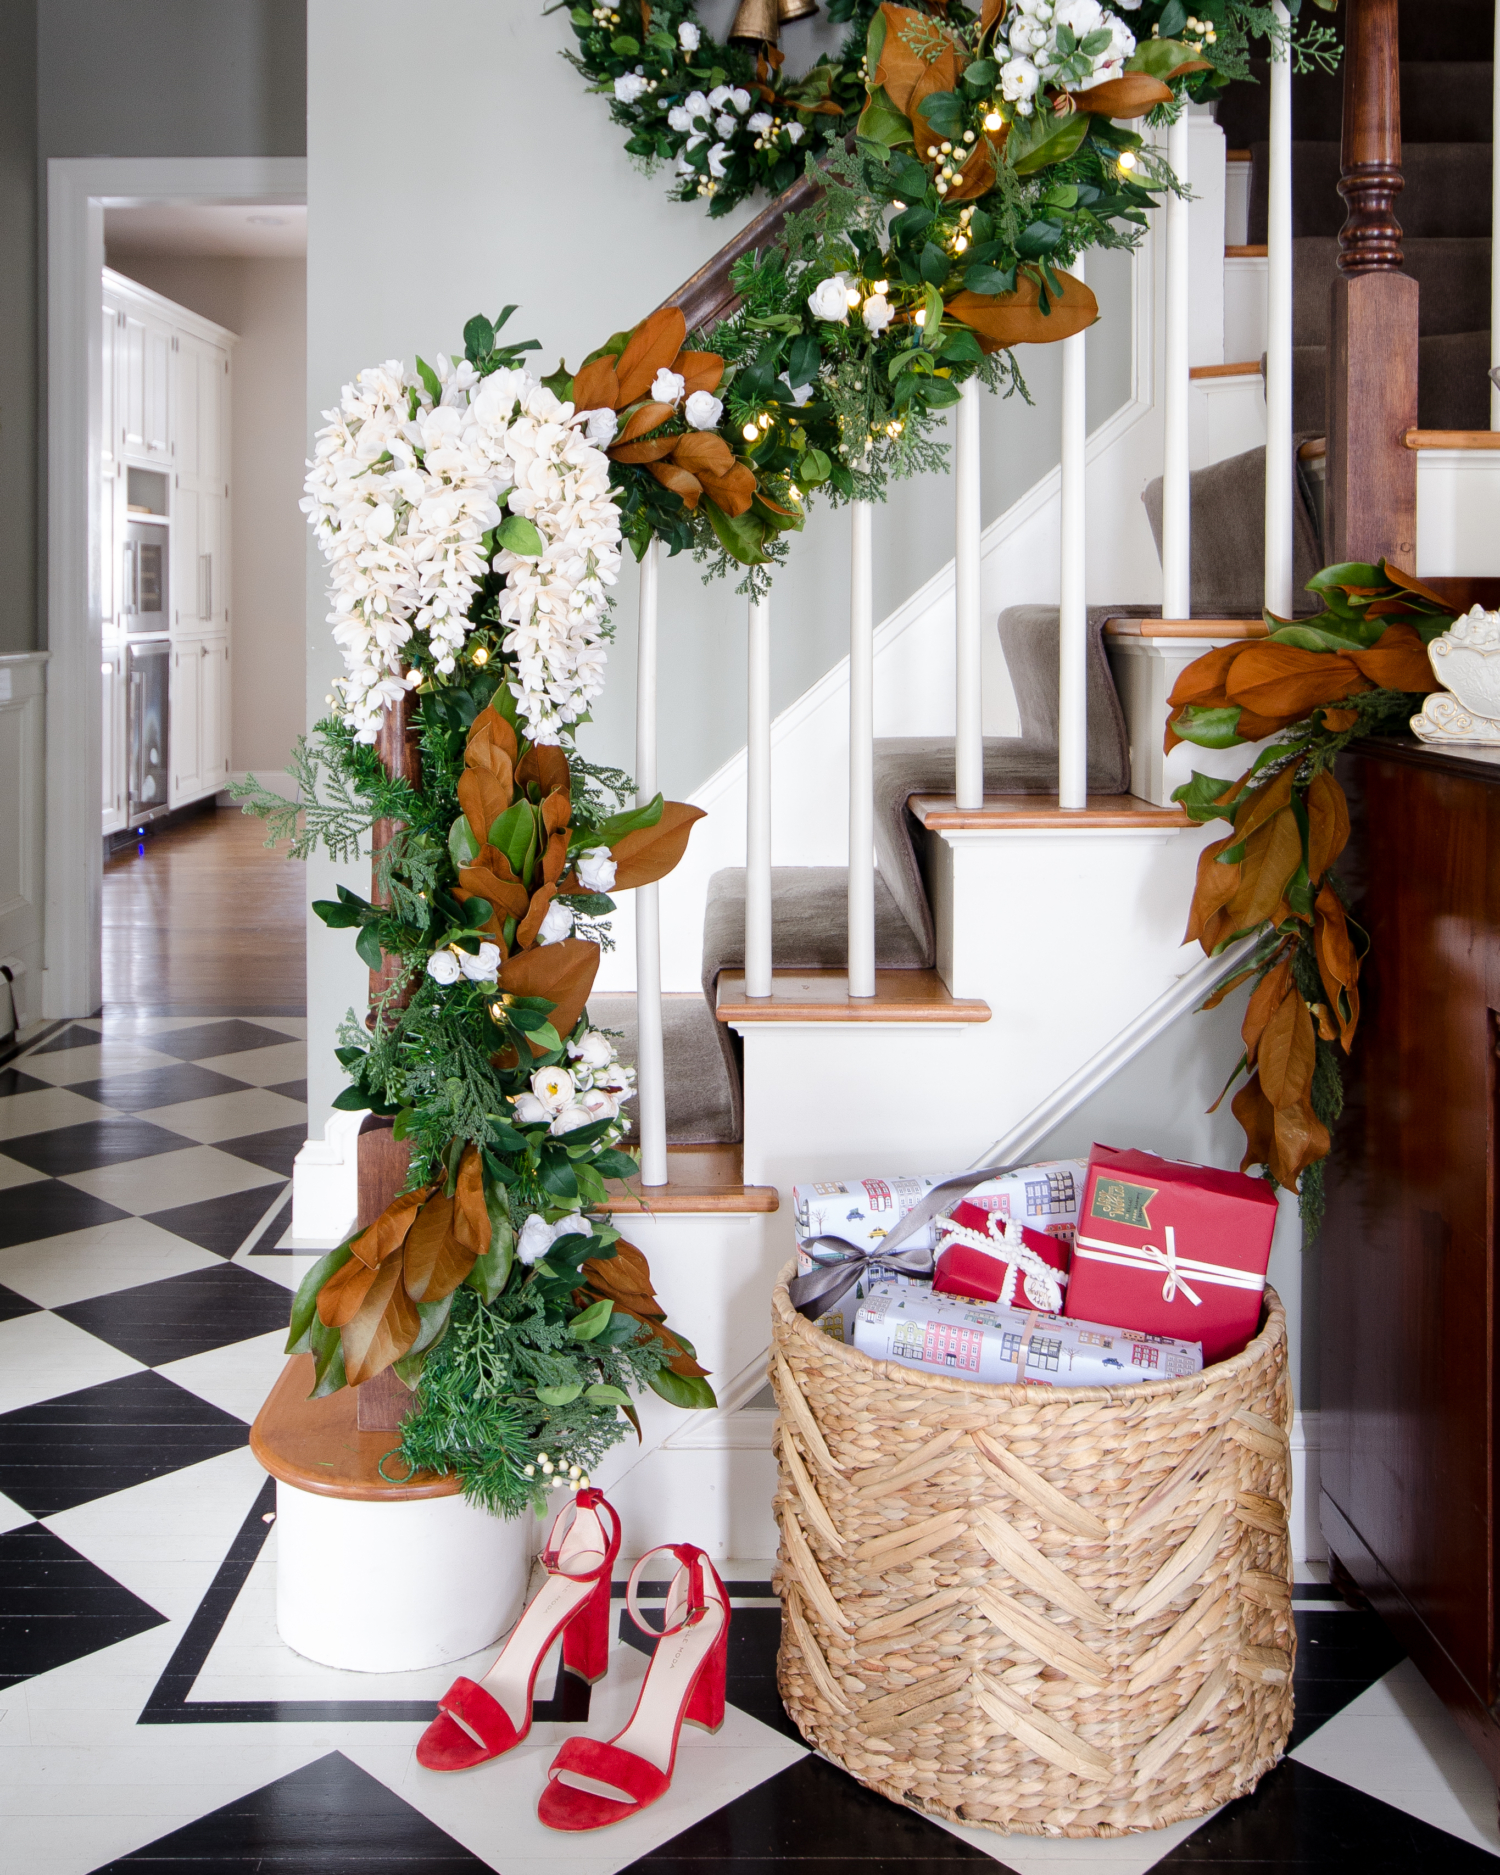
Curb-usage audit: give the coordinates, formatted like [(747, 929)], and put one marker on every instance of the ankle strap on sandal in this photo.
[(592, 1500), (695, 1562)]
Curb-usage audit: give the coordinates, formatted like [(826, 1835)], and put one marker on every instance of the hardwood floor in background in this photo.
[(205, 921)]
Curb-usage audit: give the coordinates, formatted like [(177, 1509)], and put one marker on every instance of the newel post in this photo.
[(1372, 352)]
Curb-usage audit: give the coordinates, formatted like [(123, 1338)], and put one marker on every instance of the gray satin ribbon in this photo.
[(815, 1293)]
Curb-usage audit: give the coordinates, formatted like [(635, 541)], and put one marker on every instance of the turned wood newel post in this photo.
[(1372, 351)]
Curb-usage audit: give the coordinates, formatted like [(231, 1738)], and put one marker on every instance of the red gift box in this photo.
[(1172, 1249), (984, 1257)]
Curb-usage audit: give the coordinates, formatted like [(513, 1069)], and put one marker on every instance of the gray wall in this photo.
[(18, 340)]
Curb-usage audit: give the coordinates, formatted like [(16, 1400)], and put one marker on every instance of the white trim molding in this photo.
[(78, 191)]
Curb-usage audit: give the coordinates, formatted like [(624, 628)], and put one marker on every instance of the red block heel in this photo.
[(592, 1784), (479, 1719)]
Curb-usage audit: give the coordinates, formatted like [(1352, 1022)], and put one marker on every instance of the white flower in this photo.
[(630, 87), (703, 410), (572, 1226), (534, 1239), (599, 1105), (596, 869), (556, 925), (571, 1118), (688, 35), (717, 98), (717, 152), (877, 313), (762, 121), (529, 1110), (696, 105), (794, 133), (443, 967), (667, 387), (481, 969), (553, 1087), (1018, 80), (618, 1080), (829, 299), (599, 426), (726, 125), (681, 118), (592, 1049), (740, 100)]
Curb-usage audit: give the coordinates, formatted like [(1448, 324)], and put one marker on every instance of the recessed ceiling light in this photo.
[(267, 221)]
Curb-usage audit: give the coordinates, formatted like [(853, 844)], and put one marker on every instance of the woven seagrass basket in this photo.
[(1055, 1611)]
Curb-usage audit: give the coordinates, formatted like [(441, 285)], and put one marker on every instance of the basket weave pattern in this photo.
[(1055, 1611)]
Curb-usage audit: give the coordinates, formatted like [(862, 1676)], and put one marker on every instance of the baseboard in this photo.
[(325, 1184), (1308, 1543)]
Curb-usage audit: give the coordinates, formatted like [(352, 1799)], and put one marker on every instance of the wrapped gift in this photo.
[(989, 1260), (865, 1211), (834, 1308), (917, 1327), (1172, 1248)]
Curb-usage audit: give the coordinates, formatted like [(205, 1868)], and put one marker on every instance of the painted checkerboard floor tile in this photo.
[(152, 1721)]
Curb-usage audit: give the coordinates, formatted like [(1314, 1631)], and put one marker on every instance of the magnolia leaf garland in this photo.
[(1358, 667)]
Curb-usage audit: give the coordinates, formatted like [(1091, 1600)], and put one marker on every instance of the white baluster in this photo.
[(650, 1071), (968, 736), (1176, 526), (758, 803), (1072, 620), (1495, 232), (861, 753), (1280, 468)]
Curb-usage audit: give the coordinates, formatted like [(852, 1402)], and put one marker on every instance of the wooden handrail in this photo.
[(707, 296)]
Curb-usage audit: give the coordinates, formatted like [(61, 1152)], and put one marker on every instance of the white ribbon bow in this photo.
[(1175, 1269), (1044, 1285)]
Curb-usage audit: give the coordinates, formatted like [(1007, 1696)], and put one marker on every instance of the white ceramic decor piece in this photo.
[(1466, 660)]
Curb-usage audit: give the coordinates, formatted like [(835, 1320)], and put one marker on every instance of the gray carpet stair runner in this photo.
[(1444, 209)]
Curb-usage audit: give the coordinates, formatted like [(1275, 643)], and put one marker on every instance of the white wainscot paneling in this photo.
[(1226, 416), (1458, 498), (22, 745), (1236, 199), (1244, 307)]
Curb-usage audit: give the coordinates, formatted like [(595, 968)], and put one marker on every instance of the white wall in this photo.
[(265, 302)]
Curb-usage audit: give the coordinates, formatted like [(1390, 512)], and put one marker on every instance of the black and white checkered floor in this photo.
[(151, 1720)]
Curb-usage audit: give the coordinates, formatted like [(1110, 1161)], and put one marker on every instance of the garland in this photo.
[(732, 124), (1358, 668)]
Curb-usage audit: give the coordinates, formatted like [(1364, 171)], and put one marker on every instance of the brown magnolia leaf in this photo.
[(484, 798), (679, 481), (557, 810), (1132, 94), (471, 1215), (1216, 885), (1005, 319), (547, 766), (1224, 989), (1398, 576), (653, 346), (699, 371), (1253, 1111), (641, 422), (1262, 803), (435, 1262), (653, 449), (899, 67), (491, 743), (596, 386), (625, 1280), (1398, 662), (1283, 681), (1300, 1138), (1340, 720), (650, 853), (704, 452), (1190, 65), (977, 177), (562, 972), (733, 492), (527, 929), (1326, 1031), (1266, 998), (389, 1230), (1272, 855), (1203, 680), (1338, 962), (989, 13), (385, 1327), (1327, 824), (555, 859), (342, 1296), (1288, 1051), (494, 882)]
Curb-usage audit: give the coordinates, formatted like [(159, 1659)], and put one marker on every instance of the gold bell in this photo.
[(757, 23), (796, 10)]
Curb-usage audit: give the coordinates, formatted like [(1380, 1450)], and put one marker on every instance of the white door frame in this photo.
[(79, 189)]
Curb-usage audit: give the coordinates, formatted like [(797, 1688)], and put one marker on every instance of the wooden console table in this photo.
[(1408, 1374)]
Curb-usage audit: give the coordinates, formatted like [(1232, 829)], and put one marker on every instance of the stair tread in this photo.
[(1186, 627), (316, 1445), (699, 1178), (823, 996), (1009, 813)]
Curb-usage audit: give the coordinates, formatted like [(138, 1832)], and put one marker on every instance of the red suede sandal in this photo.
[(591, 1785), (479, 1719)]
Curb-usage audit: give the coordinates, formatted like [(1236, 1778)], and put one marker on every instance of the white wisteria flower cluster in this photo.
[(404, 496), (594, 1087), (1036, 58)]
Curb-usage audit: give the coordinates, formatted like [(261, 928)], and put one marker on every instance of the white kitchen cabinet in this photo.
[(200, 717), (116, 750), (213, 711), (144, 385)]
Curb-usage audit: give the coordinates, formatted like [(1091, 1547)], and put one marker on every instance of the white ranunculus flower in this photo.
[(596, 869), (572, 1226), (630, 87), (726, 125), (556, 925), (680, 118), (599, 426), (571, 1118), (529, 1110), (829, 299), (1018, 80), (485, 967), (599, 1105), (717, 152), (667, 387), (696, 105), (592, 1049), (877, 313), (794, 132), (688, 36), (619, 1080), (443, 967), (761, 121), (553, 1087), (534, 1239), (740, 100), (703, 410), (718, 97)]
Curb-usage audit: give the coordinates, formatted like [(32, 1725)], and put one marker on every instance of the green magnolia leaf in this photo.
[(613, 830), (520, 535), (491, 1272), (688, 1391), (561, 383), (339, 915), (1330, 633), (462, 845), (932, 324), (1199, 797), (602, 1394), (1040, 140), (881, 122), (479, 338), (742, 536), (1209, 728), (305, 1302), (1160, 57), (477, 911), (368, 946), (434, 1320), (559, 1396), (327, 1347), (874, 40), (588, 1323), (514, 833)]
